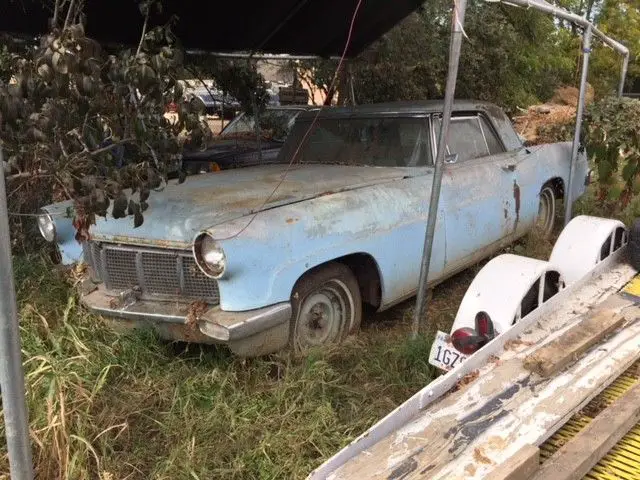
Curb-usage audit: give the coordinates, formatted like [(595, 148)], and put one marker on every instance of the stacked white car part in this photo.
[(509, 288)]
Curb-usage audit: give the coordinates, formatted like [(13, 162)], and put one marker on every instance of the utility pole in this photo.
[(457, 32), (11, 375), (586, 53)]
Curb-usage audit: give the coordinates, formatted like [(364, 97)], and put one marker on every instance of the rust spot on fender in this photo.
[(291, 220), (516, 197)]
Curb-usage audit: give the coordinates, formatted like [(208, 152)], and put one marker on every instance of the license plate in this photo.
[(443, 355)]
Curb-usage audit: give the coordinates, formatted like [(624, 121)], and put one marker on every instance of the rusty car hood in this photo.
[(179, 212)]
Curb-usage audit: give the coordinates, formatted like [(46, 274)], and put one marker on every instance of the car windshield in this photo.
[(274, 124), (382, 142)]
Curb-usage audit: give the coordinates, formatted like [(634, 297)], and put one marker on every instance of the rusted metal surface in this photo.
[(194, 319)]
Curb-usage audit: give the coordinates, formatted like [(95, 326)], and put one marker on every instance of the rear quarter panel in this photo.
[(544, 163)]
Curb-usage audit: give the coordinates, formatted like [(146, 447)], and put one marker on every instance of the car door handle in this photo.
[(510, 167)]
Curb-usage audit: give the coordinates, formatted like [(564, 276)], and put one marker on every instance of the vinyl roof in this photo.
[(410, 107), (297, 27)]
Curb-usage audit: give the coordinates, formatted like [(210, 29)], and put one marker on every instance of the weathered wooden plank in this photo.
[(520, 466), (468, 433), (567, 348), (549, 320), (576, 458)]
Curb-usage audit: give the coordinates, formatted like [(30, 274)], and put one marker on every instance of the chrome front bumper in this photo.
[(172, 319)]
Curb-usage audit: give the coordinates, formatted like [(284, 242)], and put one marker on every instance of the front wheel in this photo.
[(326, 307), (546, 219)]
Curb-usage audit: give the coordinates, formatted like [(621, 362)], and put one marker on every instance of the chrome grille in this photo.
[(120, 272), (155, 273), (197, 282), (161, 273)]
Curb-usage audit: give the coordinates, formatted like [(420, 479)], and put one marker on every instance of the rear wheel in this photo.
[(546, 219), (326, 307)]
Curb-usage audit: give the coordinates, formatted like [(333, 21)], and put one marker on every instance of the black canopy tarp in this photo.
[(298, 27)]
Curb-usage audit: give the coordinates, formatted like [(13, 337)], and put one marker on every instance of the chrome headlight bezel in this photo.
[(210, 256), (47, 226)]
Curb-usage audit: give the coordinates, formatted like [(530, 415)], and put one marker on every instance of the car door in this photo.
[(479, 190)]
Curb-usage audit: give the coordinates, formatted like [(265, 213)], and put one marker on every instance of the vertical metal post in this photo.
[(257, 127), (11, 374), (586, 53), (623, 75), (457, 32)]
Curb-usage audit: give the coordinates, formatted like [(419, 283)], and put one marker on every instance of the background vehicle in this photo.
[(237, 145), (215, 102)]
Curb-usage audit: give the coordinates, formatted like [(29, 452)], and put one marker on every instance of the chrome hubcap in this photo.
[(546, 211), (324, 315)]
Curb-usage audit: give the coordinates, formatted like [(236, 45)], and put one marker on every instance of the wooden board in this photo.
[(470, 432), (523, 465), (568, 347), (575, 459)]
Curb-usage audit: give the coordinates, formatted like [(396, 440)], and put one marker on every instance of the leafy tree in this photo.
[(78, 121), (524, 49), (611, 136), (621, 20)]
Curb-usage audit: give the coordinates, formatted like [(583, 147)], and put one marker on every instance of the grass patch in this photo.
[(112, 406), (106, 405)]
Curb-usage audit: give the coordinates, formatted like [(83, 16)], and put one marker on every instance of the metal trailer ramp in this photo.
[(623, 461), (472, 429)]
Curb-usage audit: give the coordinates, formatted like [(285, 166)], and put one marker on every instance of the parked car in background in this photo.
[(215, 102), (270, 256), (237, 145)]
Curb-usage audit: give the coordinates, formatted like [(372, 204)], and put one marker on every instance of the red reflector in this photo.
[(484, 325), (466, 340)]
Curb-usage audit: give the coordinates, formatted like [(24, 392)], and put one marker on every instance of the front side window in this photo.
[(380, 142), (470, 137)]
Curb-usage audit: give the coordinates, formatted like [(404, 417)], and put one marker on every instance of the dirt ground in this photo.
[(559, 110)]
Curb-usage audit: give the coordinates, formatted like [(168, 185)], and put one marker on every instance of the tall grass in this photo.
[(113, 406), (107, 406)]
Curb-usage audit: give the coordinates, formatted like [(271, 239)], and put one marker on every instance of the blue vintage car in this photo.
[(286, 254)]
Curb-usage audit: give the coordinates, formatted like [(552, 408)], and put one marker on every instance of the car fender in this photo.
[(268, 253), (70, 249), (498, 289), (584, 243)]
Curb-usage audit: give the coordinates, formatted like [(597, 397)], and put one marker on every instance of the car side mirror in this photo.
[(451, 158)]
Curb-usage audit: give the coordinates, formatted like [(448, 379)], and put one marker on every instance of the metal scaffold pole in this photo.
[(623, 74), (11, 374), (457, 33), (586, 53)]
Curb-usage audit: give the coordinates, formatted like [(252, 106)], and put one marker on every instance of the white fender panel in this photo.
[(577, 250), (498, 289)]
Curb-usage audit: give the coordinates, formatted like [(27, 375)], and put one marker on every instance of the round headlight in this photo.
[(47, 227), (209, 256)]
